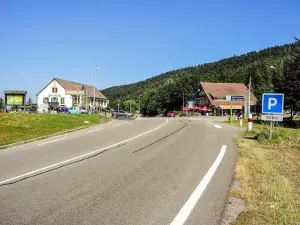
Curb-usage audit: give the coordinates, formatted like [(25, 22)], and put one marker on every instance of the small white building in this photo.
[(62, 92)]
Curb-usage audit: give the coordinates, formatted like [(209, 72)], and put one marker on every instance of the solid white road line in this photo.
[(90, 131), (52, 141), (190, 204), (119, 124), (78, 157), (218, 126)]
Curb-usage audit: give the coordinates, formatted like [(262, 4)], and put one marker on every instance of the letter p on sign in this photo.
[(272, 102)]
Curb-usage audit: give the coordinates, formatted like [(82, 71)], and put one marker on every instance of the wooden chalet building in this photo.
[(213, 95)]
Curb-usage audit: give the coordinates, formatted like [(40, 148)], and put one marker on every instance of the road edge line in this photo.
[(185, 211)]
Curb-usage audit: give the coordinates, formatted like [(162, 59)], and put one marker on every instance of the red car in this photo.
[(171, 114)]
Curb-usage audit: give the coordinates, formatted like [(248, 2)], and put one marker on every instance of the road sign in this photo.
[(228, 97), (272, 103), (237, 98), (272, 117)]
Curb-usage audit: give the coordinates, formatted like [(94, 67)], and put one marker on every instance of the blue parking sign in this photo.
[(272, 103)]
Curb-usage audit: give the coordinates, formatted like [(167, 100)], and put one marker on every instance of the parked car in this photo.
[(120, 113), (171, 114), (62, 109), (74, 110), (32, 110)]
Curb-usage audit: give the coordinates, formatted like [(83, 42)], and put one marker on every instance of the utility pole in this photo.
[(249, 101), (249, 113), (231, 110), (77, 98), (118, 105), (182, 101), (94, 108), (140, 104)]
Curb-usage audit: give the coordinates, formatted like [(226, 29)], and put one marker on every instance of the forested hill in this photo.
[(164, 92)]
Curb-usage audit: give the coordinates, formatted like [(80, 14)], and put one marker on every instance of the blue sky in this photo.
[(131, 40)]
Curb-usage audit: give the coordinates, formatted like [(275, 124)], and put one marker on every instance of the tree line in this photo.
[(271, 69)]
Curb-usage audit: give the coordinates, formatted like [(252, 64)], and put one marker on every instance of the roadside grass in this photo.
[(16, 127), (269, 174)]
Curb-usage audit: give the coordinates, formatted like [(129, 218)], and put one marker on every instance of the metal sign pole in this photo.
[(231, 111), (271, 129)]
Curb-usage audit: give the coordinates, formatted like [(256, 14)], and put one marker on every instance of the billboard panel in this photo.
[(190, 103), (15, 99)]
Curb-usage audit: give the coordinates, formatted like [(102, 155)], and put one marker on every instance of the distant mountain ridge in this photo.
[(172, 84)]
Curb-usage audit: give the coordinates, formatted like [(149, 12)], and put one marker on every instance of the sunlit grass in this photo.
[(16, 127), (269, 173)]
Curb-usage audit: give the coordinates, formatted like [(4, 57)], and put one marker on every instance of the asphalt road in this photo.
[(147, 171)]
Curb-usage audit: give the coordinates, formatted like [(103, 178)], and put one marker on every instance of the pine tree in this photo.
[(29, 102), (1, 103), (290, 84)]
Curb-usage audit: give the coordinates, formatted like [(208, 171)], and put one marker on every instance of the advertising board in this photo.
[(15, 100), (190, 103)]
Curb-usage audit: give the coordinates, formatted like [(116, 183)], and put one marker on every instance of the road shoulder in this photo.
[(268, 174)]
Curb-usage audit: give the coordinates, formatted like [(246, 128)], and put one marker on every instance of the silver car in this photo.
[(120, 113)]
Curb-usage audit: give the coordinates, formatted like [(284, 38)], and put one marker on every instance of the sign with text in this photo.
[(15, 99), (272, 117), (272, 103), (237, 98), (79, 92), (228, 97)]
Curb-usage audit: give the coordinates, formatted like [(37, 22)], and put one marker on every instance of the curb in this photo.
[(47, 136)]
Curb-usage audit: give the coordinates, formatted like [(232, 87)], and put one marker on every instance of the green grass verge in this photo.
[(280, 135), (269, 173), (16, 127)]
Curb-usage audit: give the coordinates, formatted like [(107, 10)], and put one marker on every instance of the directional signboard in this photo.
[(228, 97), (237, 98), (234, 98), (272, 117), (272, 103)]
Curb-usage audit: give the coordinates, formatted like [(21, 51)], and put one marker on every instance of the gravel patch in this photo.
[(234, 207), (236, 186)]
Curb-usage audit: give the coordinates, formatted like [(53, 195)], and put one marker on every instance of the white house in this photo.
[(62, 92)]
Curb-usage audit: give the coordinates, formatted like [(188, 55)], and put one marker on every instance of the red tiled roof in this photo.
[(74, 86), (220, 90), (69, 85)]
